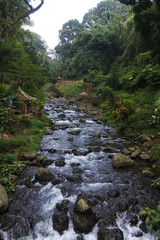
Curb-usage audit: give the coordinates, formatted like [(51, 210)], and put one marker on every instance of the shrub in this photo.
[(152, 217)]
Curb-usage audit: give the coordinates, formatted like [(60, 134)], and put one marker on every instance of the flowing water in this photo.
[(87, 148)]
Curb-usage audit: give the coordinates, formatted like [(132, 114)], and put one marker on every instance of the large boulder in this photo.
[(42, 175), (120, 160), (3, 200), (83, 223), (110, 234), (30, 156), (82, 206), (60, 221), (75, 132), (144, 138), (148, 172), (16, 226)]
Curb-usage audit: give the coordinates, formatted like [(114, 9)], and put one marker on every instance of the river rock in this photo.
[(33, 163), (144, 156), (148, 172), (82, 206), (46, 162), (77, 170), (3, 200), (17, 226), (49, 132), (97, 135), (60, 162), (30, 156), (110, 234), (120, 160), (61, 116), (133, 220), (113, 193), (76, 178), (110, 149), (40, 158), (75, 132), (138, 234), (56, 181), (60, 221), (122, 206), (144, 138), (135, 153), (143, 227), (63, 206), (83, 223), (42, 174), (80, 238)]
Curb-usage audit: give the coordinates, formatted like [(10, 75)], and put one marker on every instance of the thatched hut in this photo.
[(22, 96)]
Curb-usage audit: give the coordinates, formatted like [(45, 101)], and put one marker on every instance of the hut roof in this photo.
[(24, 96), (83, 94), (59, 78)]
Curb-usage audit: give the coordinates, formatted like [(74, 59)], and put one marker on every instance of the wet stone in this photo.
[(46, 162), (29, 156), (143, 227), (52, 150), (1, 236), (122, 206), (110, 234), (133, 220), (74, 132), (63, 206), (16, 226), (70, 139), (74, 178), (133, 201), (148, 173), (144, 156), (138, 234), (77, 170), (113, 193), (60, 162), (4, 203), (80, 238), (60, 221), (82, 206), (83, 223), (75, 164), (94, 149), (56, 181), (42, 174)]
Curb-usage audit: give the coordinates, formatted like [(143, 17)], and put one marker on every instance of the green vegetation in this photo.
[(26, 139), (71, 89), (152, 217)]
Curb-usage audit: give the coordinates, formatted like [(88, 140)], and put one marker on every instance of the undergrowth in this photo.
[(11, 148)]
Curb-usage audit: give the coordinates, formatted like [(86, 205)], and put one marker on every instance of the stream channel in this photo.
[(79, 152)]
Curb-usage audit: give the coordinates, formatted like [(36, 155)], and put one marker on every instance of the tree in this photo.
[(69, 31), (14, 12), (12, 15)]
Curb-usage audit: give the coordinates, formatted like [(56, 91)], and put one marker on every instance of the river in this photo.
[(80, 152)]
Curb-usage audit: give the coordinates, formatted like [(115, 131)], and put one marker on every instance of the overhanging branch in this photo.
[(31, 11)]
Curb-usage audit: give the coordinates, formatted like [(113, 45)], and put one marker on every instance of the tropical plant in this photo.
[(152, 217)]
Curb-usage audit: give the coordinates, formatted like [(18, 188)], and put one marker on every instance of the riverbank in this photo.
[(48, 201), (128, 118)]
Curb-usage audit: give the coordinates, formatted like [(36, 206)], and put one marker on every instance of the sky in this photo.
[(49, 19)]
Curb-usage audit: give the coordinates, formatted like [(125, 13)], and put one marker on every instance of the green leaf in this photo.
[(150, 226), (141, 212), (147, 220)]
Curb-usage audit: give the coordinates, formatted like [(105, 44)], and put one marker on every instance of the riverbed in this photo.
[(80, 151)]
